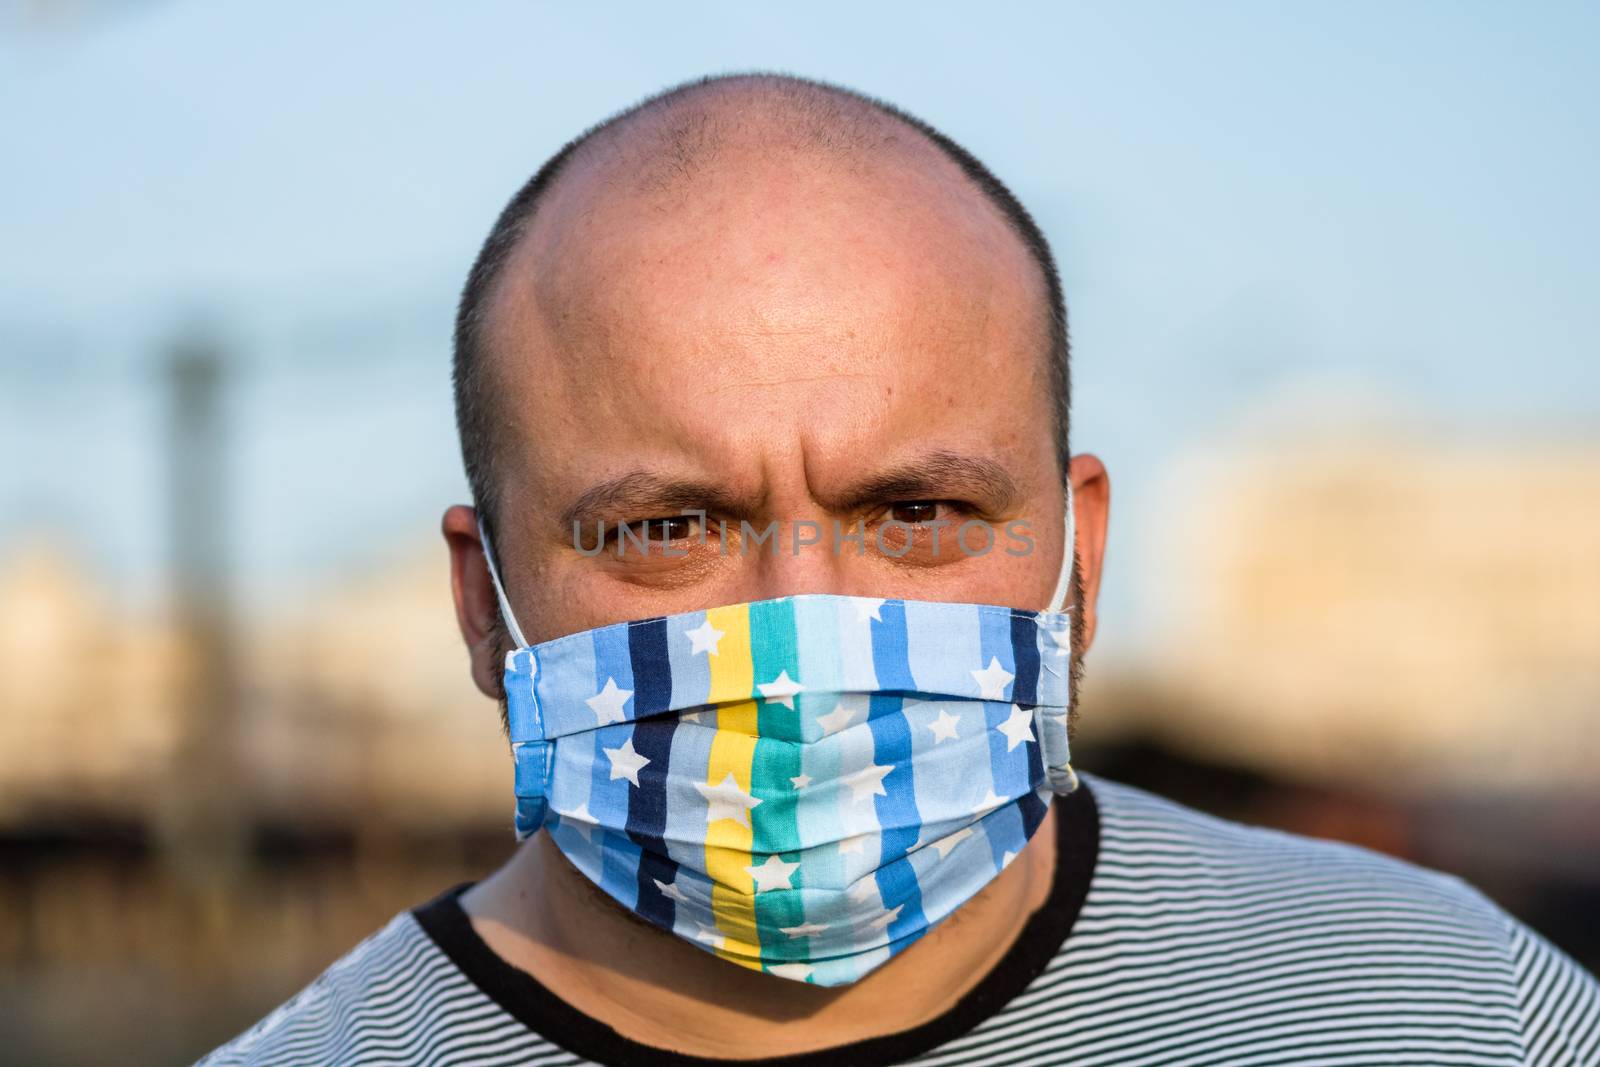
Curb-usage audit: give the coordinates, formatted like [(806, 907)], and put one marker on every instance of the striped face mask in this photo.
[(802, 786)]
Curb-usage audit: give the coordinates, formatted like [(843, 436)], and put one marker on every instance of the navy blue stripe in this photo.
[(1030, 806), (1025, 692), (652, 667), (647, 816), (1025, 654), (652, 739)]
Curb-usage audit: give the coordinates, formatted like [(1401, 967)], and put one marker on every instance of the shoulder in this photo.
[(1265, 907), (1558, 999), (312, 1018), (1167, 846), (396, 997)]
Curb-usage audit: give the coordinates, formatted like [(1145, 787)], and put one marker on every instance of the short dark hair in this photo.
[(474, 411)]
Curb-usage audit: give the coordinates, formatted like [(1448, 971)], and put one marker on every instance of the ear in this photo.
[(1091, 493), (477, 607)]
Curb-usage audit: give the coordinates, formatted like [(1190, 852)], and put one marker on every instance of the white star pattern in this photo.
[(705, 717), (625, 762), (704, 638), (950, 841), (579, 820), (607, 704), (849, 707), (1062, 639), (670, 890), (797, 971), (869, 608), (773, 874), (1018, 727), (800, 781), (781, 690), (880, 921), (709, 936), (988, 803), (944, 727), (852, 846), (804, 929), (727, 801), (1005, 860), (992, 680), (865, 889), (868, 782)]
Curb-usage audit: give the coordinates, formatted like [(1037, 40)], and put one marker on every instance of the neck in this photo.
[(542, 915)]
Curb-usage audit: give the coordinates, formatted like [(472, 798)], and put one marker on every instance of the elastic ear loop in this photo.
[(506, 613), (1058, 602)]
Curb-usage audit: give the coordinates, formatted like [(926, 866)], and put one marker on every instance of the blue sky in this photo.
[(1244, 197)]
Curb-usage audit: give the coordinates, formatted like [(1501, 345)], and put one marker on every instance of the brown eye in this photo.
[(915, 511), (677, 528), (658, 531)]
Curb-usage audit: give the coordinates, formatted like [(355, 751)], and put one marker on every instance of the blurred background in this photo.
[(1331, 276)]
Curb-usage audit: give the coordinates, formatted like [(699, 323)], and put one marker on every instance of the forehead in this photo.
[(775, 303)]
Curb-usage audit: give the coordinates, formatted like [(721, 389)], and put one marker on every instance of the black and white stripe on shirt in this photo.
[(1180, 938)]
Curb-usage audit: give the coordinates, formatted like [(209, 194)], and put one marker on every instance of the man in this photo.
[(756, 304)]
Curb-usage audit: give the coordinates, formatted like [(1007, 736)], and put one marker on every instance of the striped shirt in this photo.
[(1170, 937)]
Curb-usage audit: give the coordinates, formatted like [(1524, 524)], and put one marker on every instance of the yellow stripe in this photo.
[(733, 749), (732, 672)]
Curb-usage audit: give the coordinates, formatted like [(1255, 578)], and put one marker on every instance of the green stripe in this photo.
[(777, 759)]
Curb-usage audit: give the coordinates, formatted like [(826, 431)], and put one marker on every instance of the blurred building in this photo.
[(363, 710), (357, 709), (87, 696), (1355, 598)]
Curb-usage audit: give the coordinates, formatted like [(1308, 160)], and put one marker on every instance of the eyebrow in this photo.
[(643, 493), (937, 474)]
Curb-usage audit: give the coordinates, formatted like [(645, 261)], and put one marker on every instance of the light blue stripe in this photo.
[(1003, 828), (939, 641), (946, 643), (566, 679), (608, 799), (818, 654), (940, 785), (855, 748), (691, 671), (522, 709), (1008, 769), (819, 621), (686, 806), (855, 647)]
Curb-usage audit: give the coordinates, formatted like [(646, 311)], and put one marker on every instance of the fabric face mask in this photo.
[(802, 786)]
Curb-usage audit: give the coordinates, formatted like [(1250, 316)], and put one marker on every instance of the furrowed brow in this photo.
[(646, 495), (935, 476)]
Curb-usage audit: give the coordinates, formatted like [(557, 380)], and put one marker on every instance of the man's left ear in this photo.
[(1091, 500), (477, 608)]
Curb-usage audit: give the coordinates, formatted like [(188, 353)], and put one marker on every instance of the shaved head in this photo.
[(682, 166)]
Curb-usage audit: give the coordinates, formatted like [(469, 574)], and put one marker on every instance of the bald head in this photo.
[(736, 167)]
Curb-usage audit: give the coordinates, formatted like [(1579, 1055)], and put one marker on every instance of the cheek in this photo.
[(1017, 570), (1023, 582)]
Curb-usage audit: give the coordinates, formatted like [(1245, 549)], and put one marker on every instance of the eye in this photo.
[(675, 528), (913, 512), (657, 531)]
